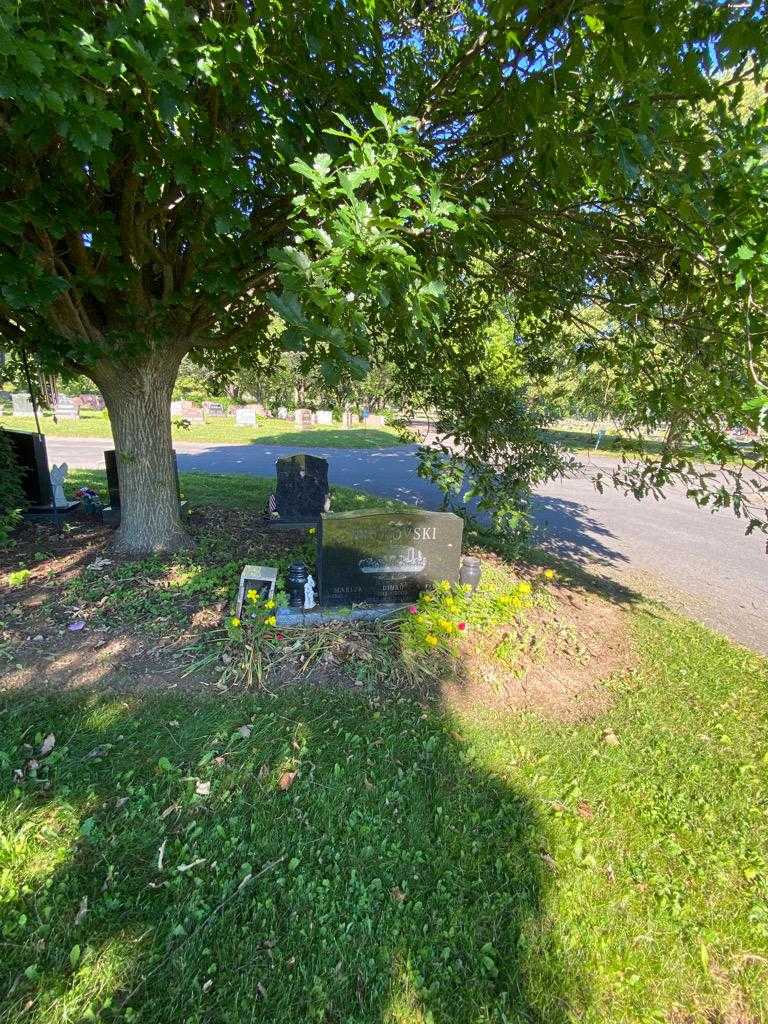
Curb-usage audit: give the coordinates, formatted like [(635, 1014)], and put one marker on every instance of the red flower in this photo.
[(413, 609), (280, 636), (461, 625)]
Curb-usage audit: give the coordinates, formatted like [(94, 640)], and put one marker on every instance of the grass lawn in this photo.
[(343, 845), (223, 430), (583, 442)]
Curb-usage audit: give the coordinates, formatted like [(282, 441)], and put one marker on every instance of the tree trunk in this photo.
[(138, 399)]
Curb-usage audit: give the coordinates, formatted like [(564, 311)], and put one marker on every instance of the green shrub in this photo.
[(11, 491)]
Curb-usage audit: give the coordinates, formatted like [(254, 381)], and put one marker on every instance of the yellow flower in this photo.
[(269, 604), (549, 574), (445, 625), (234, 622), (431, 640), (252, 595), (427, 598), (312, 531), (271, 621), (524, 587)]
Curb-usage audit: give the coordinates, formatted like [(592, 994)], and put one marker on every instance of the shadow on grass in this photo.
[(392, 880), (368, 437)]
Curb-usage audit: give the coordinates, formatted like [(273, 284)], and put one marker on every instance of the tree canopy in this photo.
[(384, 177)]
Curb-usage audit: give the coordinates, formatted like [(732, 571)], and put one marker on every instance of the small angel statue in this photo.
[(58, 475), (309, 594)]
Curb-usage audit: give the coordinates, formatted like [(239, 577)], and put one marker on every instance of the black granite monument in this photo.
[(302, 492), (380, 557), (31, 457)]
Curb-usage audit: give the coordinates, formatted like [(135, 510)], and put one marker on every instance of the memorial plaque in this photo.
[(303, 418), (213, 409), (386, 557), (324, 416), (66, 409), (302, 491)]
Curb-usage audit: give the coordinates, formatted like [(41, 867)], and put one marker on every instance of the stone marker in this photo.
[(324, 416), (261, 578), (22, 404), (282, 413), (302, 491), (385, 557), (213, 409), (375, 421), (66, 409), (32, 459), (303, 418), (349, 419), (95, 402), (245, 416)]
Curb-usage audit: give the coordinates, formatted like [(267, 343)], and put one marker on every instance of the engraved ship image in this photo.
[(407, 560)]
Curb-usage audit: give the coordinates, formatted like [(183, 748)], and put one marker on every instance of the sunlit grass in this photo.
[(421, 866)]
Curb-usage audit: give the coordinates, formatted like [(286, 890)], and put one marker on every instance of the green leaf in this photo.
[(74, 955)]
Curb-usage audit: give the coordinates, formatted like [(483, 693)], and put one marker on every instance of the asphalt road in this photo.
[(698, 562)]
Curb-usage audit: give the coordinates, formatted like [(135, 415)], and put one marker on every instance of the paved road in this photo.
[(698, 562)]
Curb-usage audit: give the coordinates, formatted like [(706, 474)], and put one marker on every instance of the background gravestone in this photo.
[(245, 416), (324, 416), (386, 557), (302, 491), (303, 418), (66, 409), (22, 404)]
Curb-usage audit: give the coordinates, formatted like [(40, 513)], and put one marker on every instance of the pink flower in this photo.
[(461, 625), (279, 636), (413, 610)]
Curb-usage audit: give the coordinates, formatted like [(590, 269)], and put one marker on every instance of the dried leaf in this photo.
[(286, 780), (548, 859), (584, 810), (398, 895), (610, 738), (188, 867), (245, 731), (47, 745), (263, 772), (203, 788), (161, 855)]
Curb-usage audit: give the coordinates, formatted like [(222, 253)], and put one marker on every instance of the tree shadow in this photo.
[(318, 437), (567, 529), (393, 878)]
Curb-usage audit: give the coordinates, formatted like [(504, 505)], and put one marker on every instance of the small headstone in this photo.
[(349, 419), (260, 410), (375, 421), (324, 416), (245, 416), (177, 408), (282, 413), (303, 418), (213, 408), (302, 491), (381, 557), (22, 404), (261, 578), (66, 409)]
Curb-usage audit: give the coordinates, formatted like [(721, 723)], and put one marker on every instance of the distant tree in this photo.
[(381, 175)]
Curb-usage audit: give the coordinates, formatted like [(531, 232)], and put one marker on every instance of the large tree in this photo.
[(381, 175)]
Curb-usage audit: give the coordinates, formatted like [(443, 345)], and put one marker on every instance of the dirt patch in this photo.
[(55, 639), (556, 661), (84, 619)]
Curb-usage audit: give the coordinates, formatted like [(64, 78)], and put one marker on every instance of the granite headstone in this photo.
[(302, 491), (382, 557), (31, 457)]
